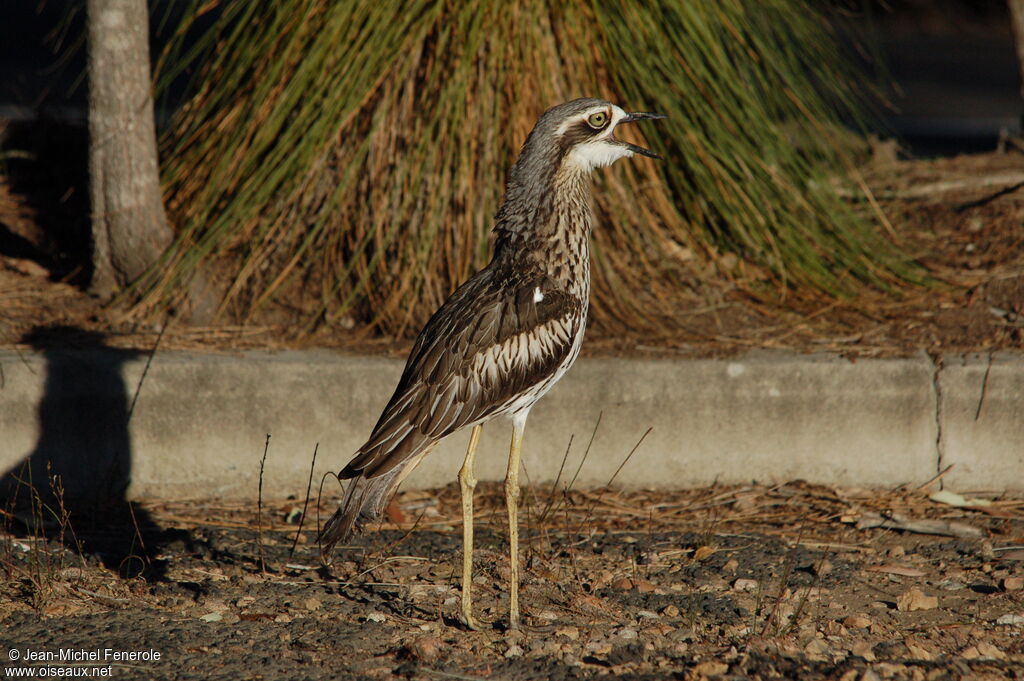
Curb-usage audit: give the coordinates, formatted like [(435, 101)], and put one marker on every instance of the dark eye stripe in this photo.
[(580, 132)]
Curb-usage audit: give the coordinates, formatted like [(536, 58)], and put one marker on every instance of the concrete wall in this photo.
[(197, 426)]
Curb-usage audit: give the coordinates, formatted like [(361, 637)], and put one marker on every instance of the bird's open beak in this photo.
[(639, 116)]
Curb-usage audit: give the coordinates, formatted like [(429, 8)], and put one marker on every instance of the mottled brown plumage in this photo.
[(510, 332)]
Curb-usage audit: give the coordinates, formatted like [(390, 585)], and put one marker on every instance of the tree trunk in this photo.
[(1017, 21), (129, 226)]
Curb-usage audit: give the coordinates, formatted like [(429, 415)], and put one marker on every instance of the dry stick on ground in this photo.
[(586, 452), (41, 571), (259, 507), (988, 198), (63, 514), (611, 480), (138, 536), (896, 521), (935, 478), (564, 497), (787, 570), (392, 559), (1008, 181), (378, 552), (552, 495), (131, 410), (145, 370), (818, 568), (305, 503), (391, 545)]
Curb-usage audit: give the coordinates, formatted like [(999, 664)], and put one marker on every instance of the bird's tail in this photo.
[(365, 500)]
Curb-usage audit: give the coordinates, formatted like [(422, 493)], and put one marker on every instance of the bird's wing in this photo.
[(490, 342)]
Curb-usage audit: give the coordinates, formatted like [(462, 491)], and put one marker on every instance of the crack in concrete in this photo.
[(940, 445)]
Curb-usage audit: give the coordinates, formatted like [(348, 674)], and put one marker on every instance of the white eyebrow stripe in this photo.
[(617, 115), (569, 122)]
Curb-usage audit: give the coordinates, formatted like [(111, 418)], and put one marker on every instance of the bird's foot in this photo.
[(469, 621)]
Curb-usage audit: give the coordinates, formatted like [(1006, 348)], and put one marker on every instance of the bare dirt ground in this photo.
[(793, 581)]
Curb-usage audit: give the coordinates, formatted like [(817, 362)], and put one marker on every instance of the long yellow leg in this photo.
[(512, 502), (468, 483)]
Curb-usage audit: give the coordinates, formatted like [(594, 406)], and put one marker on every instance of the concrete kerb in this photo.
[(982, 410), (198, 424)]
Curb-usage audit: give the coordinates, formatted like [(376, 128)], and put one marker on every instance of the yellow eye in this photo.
[(597, 120)]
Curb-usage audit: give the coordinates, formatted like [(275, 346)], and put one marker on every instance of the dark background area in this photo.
[(955, 78), (43, 59)]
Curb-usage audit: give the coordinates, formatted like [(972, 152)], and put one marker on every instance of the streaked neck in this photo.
[(545, 224)]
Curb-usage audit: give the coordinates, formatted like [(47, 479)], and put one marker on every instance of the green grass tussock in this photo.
[(345, 159)]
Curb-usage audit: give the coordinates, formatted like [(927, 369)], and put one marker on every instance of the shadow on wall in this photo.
[(80, 466)]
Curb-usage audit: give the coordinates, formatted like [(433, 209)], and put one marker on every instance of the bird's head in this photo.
[(580, 135)]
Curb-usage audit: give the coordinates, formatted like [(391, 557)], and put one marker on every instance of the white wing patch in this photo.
[(537, 295)]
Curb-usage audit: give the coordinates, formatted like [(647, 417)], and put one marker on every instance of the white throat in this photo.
[(596, 154)]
